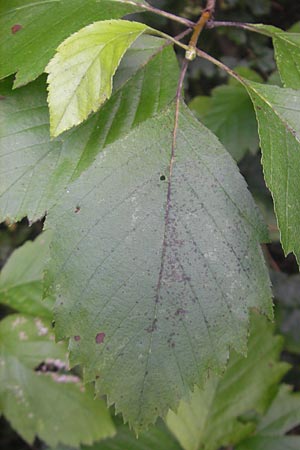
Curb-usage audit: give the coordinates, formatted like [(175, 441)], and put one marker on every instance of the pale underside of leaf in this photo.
[(36, 170), (81, 72), (41, 27), (155, 274), (278, 115)]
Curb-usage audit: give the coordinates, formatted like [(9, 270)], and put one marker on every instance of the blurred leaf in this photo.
[(54, 406), (157, 438), (21, 278), (295, 28), (30, 31), (282, 416), (229, 114), (227, 409), (259, 7), (81, 72), (286, 290)]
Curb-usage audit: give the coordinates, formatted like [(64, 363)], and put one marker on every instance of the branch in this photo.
[(217, 23), (182, 20), (198, 27), (244, 26)]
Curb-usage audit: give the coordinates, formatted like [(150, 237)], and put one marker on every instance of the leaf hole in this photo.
[(162, 178)]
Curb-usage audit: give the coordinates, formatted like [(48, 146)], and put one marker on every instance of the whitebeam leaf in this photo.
[(81, 72), (278, 115), (154, 272)]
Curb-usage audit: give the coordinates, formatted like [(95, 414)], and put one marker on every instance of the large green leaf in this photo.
[(51, 405), (213, 417), (81, 72), (278, 115), (35, 170), (21, 285), (287, 52), (30, 31), (282, 417), (154, 268)]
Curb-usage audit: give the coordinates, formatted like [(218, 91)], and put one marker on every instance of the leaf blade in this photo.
[(287, 53), (144, 332), (277, 113), (80, 74)]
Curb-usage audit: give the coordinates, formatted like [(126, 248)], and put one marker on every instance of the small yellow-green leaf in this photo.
[(81, 72)]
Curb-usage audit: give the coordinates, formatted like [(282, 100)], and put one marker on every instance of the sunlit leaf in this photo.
[(81, 72)]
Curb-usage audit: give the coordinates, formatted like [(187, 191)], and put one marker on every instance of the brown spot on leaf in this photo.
[(77, 209), (15, 28), (180, 311), (100, 338), (77, 338)]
